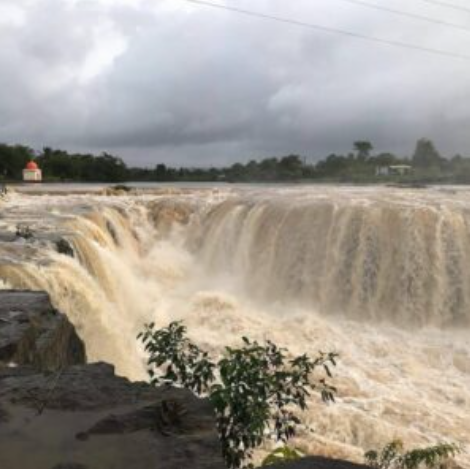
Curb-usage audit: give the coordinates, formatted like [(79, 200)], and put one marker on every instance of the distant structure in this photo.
[(394, 170), (32, 173)]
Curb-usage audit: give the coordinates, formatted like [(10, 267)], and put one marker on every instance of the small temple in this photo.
[(32, 173)]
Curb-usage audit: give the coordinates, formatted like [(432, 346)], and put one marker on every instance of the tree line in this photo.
[(359, 165)]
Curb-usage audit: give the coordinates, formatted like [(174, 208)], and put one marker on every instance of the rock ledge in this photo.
[(56, 411), (33, 333)]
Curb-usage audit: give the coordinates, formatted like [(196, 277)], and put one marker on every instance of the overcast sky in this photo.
[(167, 81)]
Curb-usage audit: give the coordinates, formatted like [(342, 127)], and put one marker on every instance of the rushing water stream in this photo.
[(380, 275)]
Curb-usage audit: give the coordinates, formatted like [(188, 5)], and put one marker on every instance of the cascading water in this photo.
[(351, 270), (406, 264)]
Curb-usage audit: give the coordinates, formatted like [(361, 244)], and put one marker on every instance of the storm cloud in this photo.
[(169, 81)]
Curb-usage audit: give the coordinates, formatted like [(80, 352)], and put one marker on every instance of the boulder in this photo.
[(33, 333), (64, 247)]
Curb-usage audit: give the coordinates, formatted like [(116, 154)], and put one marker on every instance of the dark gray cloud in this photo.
[(167, 81)]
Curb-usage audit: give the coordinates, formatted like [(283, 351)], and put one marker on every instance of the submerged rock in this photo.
[(33, 333)]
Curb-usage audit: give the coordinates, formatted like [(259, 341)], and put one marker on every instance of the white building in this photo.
[(394, 170), (32, 173)]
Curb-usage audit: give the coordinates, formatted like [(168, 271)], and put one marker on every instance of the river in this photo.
[(380, 275)]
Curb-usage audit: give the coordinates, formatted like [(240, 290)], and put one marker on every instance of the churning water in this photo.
[(380, 275)]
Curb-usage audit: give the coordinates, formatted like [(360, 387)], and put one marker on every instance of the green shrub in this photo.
[(392, 456), (255, 389), (281, 455)]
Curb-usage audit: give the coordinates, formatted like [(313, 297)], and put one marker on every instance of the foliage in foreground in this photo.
[(393, 456), (255, 389)]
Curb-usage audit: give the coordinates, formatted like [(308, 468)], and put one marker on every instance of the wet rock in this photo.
[(80, 388), (3, 415), (91, 417), (24, 231), (165, 418), (33, 333), (64, 247), (113, 233), (119, 189)]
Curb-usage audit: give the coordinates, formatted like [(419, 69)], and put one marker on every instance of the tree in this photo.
[(460, 168), (385, 159), (161, 172), (290, 167), (426, 155), (13, 159), (334, 165), (236, 172), (254, 389), (269, 169), (363, 149)]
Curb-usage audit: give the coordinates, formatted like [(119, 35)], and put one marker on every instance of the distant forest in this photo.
[(359, 166)]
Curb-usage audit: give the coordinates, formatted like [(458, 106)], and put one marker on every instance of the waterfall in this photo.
[(409, 265), (98, 289), (380, 275)]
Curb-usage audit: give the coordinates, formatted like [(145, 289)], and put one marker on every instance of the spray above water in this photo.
[(350, 270)]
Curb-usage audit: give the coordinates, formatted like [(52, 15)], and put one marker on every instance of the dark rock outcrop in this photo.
[(56, 414), (33, 333), (64, 247), (317, 462)]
